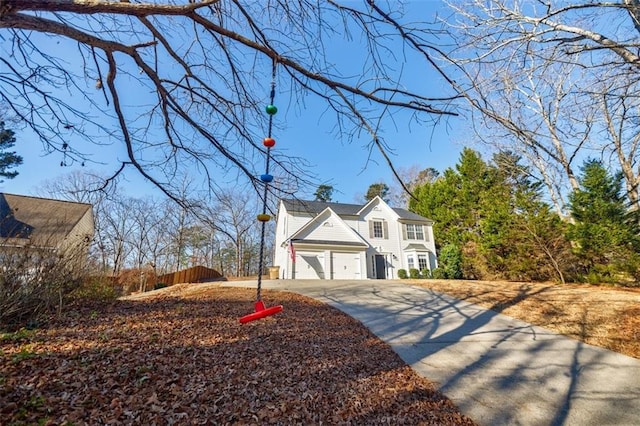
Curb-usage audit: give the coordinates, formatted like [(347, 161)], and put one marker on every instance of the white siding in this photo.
[(331, 229), (327, 227)]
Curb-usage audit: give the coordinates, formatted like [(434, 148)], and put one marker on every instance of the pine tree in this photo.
[(379, 189), (324, 193), (606, 240), (8, 160)]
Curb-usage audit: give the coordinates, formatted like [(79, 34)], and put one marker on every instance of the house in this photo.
[(53, 225), (350, 241)]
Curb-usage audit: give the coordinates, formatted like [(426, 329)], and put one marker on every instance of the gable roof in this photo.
[(41, 220), (346, 235), (317, 207)]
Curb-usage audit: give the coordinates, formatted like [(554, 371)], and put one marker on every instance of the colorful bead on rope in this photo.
[(260, 311), (262, 217), (271, 109), (269, 142)]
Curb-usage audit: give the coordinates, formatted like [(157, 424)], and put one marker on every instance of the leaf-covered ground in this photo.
[(183, 358)]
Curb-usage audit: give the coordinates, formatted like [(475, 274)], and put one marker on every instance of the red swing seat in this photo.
[(260, 312)]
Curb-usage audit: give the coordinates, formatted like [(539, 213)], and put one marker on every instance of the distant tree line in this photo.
[(491, 218), (159, 236)]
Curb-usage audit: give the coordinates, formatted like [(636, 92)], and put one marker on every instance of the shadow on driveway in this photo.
[(498, 370)]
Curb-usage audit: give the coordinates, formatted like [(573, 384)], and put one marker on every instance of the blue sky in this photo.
[(348, 166)]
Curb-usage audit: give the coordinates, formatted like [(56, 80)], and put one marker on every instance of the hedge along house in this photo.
[(321, 240), (60, 227)]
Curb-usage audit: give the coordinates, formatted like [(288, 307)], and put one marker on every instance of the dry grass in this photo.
[(607, 317)]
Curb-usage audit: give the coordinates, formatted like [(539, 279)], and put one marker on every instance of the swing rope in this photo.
[(269, 142), (266, 184)]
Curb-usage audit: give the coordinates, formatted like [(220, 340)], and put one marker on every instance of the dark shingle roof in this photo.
[(315, 207), (44, 221)]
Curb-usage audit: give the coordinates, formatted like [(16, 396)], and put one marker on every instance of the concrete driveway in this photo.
[(496, 369)]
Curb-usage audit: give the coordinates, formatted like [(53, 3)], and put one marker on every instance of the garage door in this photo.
[(309, 265), (345, 266)]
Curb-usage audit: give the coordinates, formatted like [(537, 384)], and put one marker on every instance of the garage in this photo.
[(312, 265), (345, 266), (309, 265)]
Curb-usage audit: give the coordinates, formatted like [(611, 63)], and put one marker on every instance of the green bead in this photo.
[(271, 109)]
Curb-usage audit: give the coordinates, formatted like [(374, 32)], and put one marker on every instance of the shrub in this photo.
[(425, 273), (451, 261), (438, 274), (97, 288), (35, 281), (402, 274), (414, 273), (158, 286)]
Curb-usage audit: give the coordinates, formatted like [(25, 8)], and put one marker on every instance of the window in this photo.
[(410, 263), (378, 229), (423, 262), (413, 232)]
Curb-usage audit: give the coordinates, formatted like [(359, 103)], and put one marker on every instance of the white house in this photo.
[(350, 241)]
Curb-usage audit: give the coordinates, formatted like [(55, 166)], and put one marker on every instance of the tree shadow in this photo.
[(496, 369)]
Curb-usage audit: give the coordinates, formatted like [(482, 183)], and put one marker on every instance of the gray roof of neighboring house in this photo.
[(44, 221), (315, 207)]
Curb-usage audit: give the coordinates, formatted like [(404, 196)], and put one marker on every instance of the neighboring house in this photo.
[(58, 226), (349, 241)]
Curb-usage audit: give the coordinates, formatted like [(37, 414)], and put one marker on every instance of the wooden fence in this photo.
[(192, 275)]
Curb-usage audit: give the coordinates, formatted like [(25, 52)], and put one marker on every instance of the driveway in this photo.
[(496, 369)]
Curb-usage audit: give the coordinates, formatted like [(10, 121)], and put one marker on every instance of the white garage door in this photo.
[(309, 265), (345, 266)]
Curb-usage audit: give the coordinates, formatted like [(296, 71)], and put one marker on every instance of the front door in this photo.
[(381, 267)]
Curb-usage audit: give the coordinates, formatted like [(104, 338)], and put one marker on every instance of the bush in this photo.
[(97, 288), (414, 273), (425, 274), (438, 274), (35, 281), (402, 274), (158, 286), (451, 261)]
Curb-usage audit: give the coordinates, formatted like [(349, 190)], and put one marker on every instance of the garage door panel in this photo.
[(309, 265), (345, 266)]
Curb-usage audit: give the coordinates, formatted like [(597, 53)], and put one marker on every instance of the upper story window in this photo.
[(378, 229), (414, 232)]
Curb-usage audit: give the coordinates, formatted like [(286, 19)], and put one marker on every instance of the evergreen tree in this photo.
[(450, 261), (324, 193), (379, 189), (494, 216), (527, 241), (606, 240), (8, 159)]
